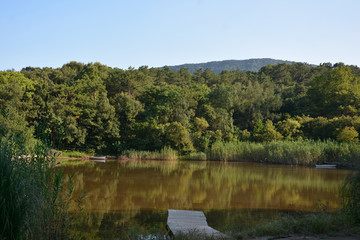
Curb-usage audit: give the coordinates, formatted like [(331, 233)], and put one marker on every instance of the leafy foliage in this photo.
[(92, 107)]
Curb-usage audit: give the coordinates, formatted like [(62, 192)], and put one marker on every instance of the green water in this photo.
[(134, 196)]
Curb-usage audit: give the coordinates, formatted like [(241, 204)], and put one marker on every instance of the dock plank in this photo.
[(191, 222)]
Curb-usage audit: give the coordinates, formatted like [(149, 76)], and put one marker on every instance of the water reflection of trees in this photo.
[(193, 185), (138, 194)]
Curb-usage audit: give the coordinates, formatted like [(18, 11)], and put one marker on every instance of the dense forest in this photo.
[(92, 107), (254, 64)]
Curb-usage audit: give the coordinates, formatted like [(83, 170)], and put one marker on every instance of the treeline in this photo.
[(92, 107)]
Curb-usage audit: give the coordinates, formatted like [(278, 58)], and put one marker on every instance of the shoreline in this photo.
[(292, 153), (121, 159)]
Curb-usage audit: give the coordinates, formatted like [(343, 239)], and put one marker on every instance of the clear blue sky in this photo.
[(168, 32)]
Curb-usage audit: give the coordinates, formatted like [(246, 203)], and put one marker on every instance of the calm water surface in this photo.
[(123, 195)]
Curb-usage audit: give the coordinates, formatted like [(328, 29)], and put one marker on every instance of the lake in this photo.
[(134, 196)]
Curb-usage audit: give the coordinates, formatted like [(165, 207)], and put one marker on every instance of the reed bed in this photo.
[(307, 153), (350, 193), (166, 153), (34, 198)]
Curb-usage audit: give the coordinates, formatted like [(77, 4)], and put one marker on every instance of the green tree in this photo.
[(200, 137), (169, 103), (178, 137), (336, 92), (97, 116), (15, 90), (253, 101), (16, 93)]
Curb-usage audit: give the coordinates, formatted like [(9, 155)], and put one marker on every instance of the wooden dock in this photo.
[(191, 222)]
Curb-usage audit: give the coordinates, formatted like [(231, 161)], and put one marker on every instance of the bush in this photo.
[(348, 134)]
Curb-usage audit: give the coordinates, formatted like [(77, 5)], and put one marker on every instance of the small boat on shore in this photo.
[(327, 166), (97, 159)]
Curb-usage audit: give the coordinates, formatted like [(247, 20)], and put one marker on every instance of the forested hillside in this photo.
[(109, 110), (218, 66)]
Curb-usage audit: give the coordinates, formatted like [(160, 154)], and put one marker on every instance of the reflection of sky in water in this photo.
[(161, 185)]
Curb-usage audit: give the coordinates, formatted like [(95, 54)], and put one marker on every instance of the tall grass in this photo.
[(166, 153), (350, 193), (306, 153), (13, 207), (33, 197)]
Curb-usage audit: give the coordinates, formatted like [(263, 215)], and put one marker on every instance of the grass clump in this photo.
[(166, 153), (34, 199), (350, 193)]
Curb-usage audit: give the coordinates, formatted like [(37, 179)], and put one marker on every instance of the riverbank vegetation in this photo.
[(166, 153), (302, 153), (34, 196), (97, 109), (308, 153)]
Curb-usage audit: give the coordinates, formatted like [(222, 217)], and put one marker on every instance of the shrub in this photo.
[(289, 128), (348, 134)]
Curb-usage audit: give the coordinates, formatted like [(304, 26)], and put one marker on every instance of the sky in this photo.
[(134, 33)]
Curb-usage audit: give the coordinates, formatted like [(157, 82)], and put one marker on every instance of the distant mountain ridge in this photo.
[(253, 64)]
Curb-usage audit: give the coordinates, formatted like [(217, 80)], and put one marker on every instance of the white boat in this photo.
[(97, 159), (328, 166)]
